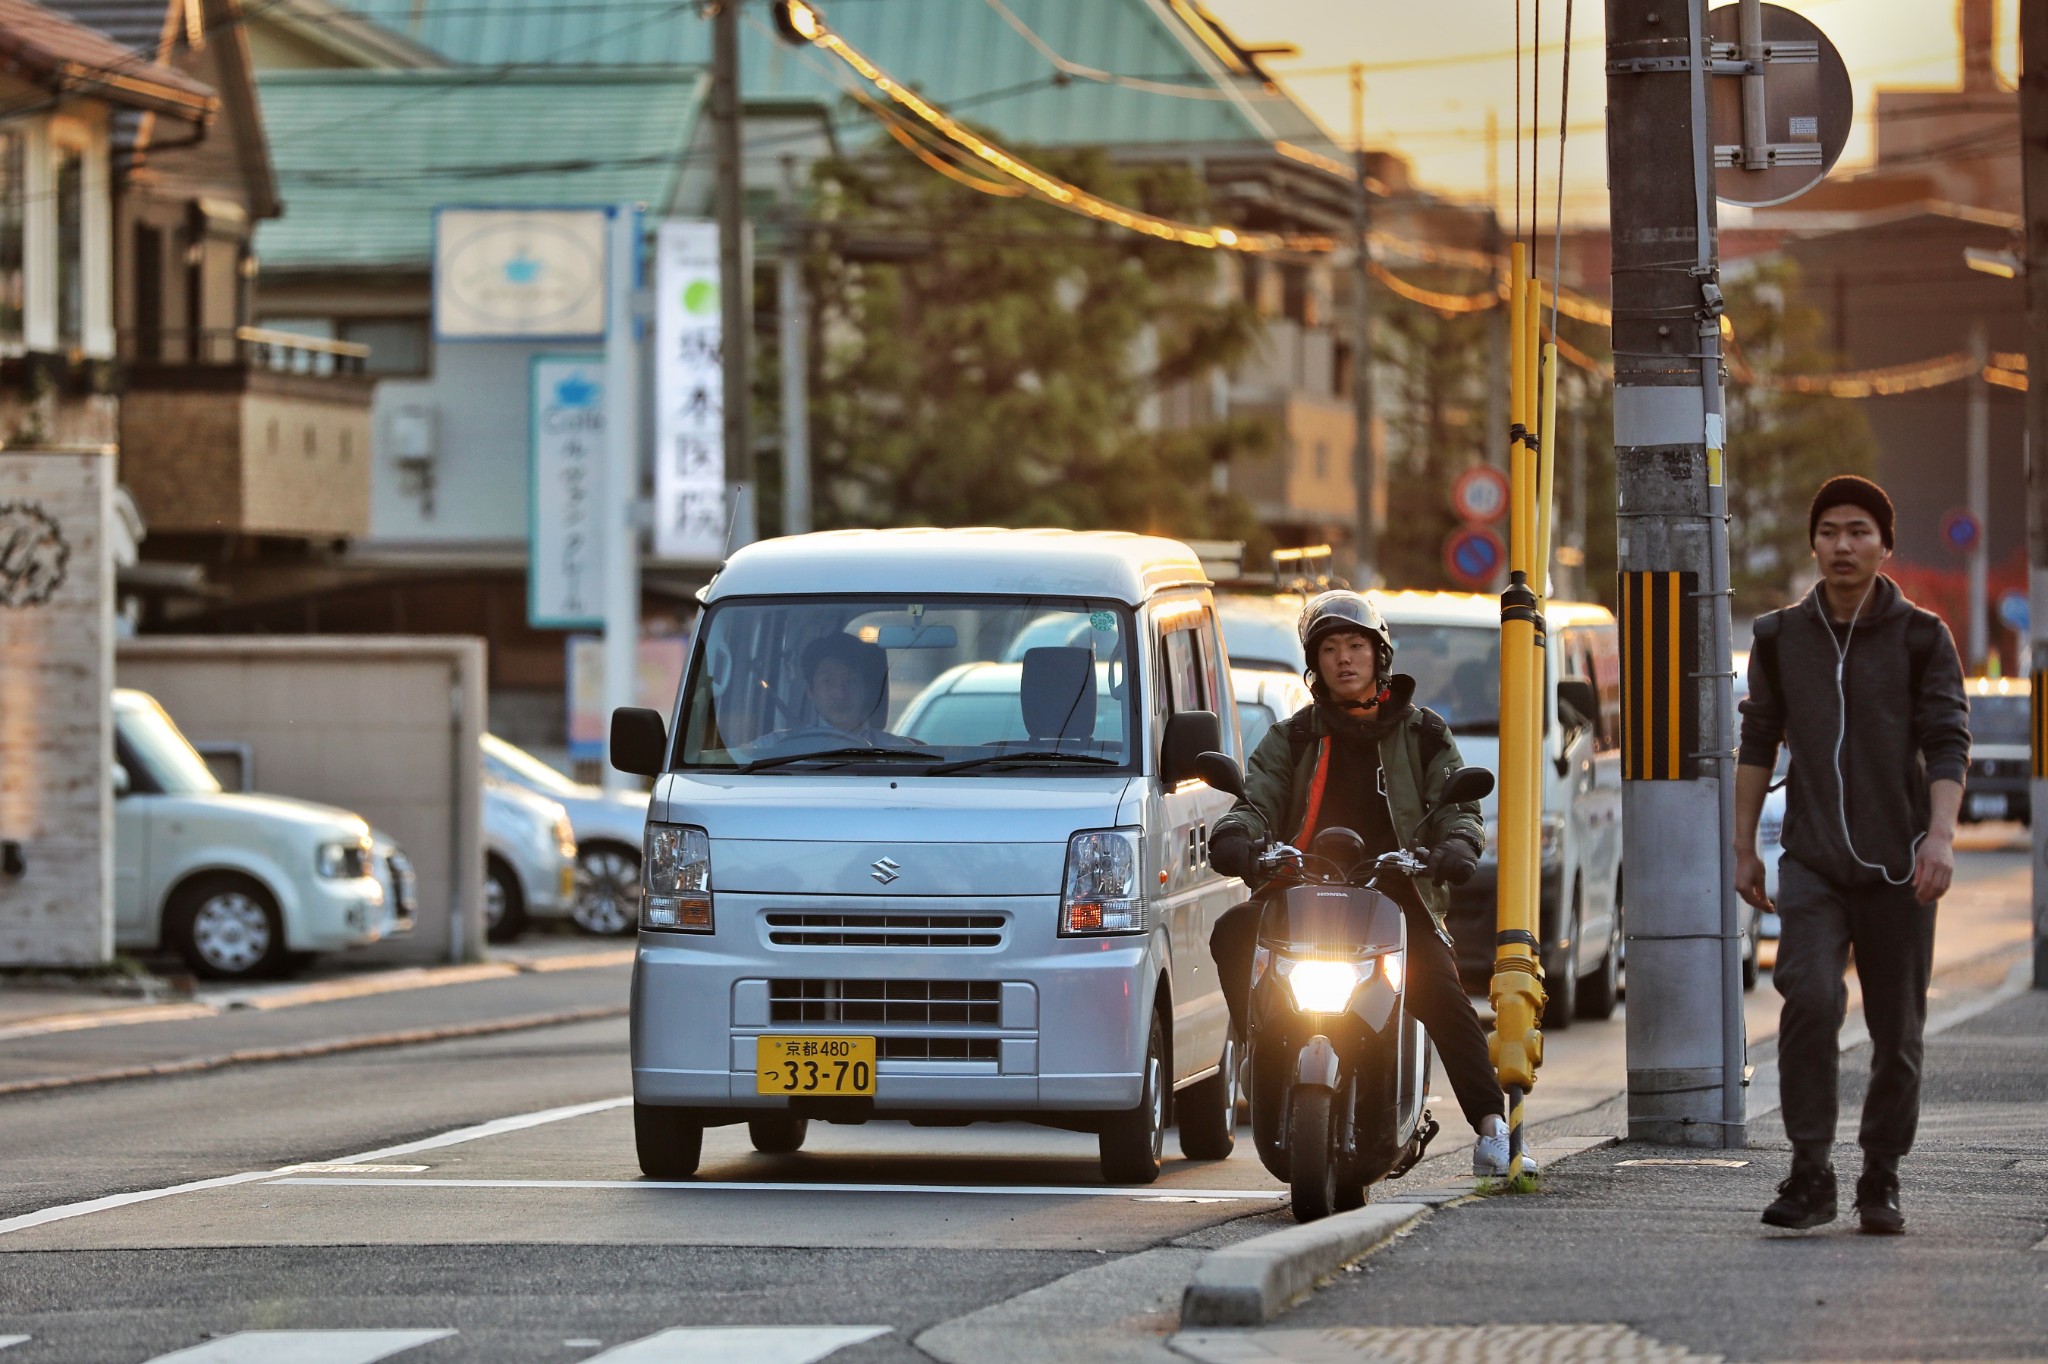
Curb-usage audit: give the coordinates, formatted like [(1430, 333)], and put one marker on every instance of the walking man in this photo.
[(1867, 691)]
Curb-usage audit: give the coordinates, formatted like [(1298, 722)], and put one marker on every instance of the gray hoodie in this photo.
[(1898, 736)]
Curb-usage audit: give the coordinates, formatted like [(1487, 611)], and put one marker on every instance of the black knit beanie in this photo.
[(1847, 490)]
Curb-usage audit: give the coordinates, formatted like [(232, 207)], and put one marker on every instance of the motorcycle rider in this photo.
[(1365, 757)]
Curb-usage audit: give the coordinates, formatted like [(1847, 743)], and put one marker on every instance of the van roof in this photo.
[(1062, 563)]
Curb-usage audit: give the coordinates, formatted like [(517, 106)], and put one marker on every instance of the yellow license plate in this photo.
[(814, 1065)]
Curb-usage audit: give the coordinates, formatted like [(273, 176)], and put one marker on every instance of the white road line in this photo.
[(518, 1122), (301, 1347), (6, 1341), (1168, 1194), (739, 1345)]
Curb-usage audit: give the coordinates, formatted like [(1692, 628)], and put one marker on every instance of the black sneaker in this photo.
[(1806, 1199), (1877, 1203)]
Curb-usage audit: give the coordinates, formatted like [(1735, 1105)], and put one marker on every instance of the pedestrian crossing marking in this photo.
[(739, 1345), (1158, 1194), (302, 1347)]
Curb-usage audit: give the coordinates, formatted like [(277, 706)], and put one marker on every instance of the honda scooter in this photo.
[(1338, 1069)]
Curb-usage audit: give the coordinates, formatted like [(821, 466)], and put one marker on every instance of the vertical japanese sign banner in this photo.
[(565, 546), (689, 395)]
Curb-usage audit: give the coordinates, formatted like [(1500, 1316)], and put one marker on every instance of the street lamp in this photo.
[(798, 22)]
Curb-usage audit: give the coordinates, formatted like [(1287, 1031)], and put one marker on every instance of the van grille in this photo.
[(938, 1049), (907, 1003), (793, 928)]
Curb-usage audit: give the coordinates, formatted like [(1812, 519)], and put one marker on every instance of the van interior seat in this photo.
[(1057, 693)]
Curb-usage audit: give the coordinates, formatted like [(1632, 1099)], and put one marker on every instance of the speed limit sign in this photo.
[(1480, 495)]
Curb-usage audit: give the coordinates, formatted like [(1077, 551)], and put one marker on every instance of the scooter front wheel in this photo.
[(1312, 1153)]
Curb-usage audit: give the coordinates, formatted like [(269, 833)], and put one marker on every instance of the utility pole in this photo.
[(1685, 1030), (796, 408), (1365, 463), (621, 483), (1978, 491), (735, 320), (2034, 172)]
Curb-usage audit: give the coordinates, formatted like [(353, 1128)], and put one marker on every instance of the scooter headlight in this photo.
[(1394, 966), (1321, 987)]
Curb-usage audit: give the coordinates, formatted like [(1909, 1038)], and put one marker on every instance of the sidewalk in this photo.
[(52, 1037), (1634, 1252)]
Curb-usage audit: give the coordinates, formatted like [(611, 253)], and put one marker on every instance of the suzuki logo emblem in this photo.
[(886, 869)]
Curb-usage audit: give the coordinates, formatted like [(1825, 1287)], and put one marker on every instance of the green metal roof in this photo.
[(963, 54), (364, 157)]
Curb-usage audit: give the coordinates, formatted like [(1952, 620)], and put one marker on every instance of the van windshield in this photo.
[(1456, 670), (1998, 720), (901, 683)]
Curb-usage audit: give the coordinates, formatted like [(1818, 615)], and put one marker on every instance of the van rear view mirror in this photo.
[(639, 741), (1189, 734), (918, 637)]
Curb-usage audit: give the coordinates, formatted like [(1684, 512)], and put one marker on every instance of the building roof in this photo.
[(1046, 563), (364, 157), (966, 55), (135, 24), (66, 56)]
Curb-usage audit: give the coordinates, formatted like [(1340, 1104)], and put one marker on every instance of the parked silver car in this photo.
[(529, 860), (608, 826)]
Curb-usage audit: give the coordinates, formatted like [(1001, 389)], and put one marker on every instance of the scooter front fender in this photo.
[(1316, 1064)]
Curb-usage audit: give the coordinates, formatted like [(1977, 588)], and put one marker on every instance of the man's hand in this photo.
[(1934, 868), (1749, 879), (1452, 862)]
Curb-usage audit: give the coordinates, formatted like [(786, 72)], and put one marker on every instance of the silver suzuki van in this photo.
[(926, 844)]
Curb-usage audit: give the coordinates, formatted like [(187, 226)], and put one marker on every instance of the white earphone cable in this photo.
[(1842, 735)]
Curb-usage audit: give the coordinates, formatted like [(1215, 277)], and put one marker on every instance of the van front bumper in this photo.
[(337, 914), (1040, 1024)]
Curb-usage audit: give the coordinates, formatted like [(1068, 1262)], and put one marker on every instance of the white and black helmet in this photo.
[(1342, 609)]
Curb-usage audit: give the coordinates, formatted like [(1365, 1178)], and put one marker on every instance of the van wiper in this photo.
[(1034, 756), (839, 754)]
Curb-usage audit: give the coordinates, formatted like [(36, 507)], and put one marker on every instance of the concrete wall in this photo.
[(387, 727), (56, 731)]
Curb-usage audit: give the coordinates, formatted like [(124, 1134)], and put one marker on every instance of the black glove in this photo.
[(1233, 852), (1452, 862)]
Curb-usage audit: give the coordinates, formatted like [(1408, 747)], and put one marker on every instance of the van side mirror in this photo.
[(639, 741), (1578, 694), (1219, 771), (1189, 734), (123, 783), (1466, 784)]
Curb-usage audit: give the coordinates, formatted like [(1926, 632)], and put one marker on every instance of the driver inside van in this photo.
[(847, 680), (1366, 758)]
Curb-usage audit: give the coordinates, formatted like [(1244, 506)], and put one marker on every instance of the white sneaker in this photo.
[(1490, 1153)]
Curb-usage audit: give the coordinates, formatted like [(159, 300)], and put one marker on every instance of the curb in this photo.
[(309, 1050), (1251, 1283)]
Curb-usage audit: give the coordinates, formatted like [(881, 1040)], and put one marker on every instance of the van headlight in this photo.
[(565, 835), (343, 861), (1103, 890), (1552, 833), (676, 886)]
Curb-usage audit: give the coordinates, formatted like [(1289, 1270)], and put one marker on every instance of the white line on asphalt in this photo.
[(1165, 1195), (6, 1341), (495, 1127), (301, 1347), (739, 1345)]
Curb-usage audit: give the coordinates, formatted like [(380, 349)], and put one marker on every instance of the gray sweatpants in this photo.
[(1893, 938)]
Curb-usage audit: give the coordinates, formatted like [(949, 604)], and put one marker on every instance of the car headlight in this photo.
[(1102, 891), (565, 836), (343, 861), (1553, 839), (676, 885), (1320, 987)]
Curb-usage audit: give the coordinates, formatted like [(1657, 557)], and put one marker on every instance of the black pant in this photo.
[(1893, 936), (1436, 996)]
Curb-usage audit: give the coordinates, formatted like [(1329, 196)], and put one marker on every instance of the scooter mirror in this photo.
[(1467, 784), (1220, 771)]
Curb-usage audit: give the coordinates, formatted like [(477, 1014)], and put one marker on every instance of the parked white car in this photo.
[(1265, 697), (1770, 824), (607, 824), (529, 860), (240, 885)]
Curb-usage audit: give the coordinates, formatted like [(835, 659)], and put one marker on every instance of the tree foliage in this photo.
[(1003, 368)]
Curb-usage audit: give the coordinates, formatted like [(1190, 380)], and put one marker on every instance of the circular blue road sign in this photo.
[(1960, 531), (2014, 611), (1473, 554)]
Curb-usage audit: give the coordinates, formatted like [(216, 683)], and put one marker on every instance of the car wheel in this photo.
[(1599, 992), (668, 1143), (1562, 985), (1131, 1143), (778, 1134), (1208, 1110), (608, 896), (229, 928), (504, 904)]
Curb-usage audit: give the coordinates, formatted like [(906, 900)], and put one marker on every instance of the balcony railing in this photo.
[(246, 347)]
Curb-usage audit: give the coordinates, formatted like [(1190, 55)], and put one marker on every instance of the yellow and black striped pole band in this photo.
[(1660, 701)]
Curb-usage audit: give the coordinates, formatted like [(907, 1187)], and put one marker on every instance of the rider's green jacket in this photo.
[(1285, 778)]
